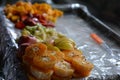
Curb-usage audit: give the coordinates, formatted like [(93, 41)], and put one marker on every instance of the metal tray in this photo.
[(77, 28)]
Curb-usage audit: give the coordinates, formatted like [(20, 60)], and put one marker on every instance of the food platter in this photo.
[(75, 28)]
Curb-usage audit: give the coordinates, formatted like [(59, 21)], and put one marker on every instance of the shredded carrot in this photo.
[(96, 38)]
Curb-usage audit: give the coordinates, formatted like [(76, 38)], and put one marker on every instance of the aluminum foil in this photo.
[(79, 30), (106, 66)]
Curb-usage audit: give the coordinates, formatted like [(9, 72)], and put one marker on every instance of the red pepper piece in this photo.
[(20, 25)]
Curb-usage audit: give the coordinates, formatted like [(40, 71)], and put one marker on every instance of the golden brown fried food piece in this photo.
[(63, 69), (53, 64), (40, 74), (81, 66), (58, 54), (44, 62), (36, 49), (69, 54), (33, 50), (55, 77)]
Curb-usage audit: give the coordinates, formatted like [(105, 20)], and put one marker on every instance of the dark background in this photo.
[(108, 10)]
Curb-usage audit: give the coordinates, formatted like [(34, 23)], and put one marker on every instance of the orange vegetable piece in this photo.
[(20, 25), (23, 8)]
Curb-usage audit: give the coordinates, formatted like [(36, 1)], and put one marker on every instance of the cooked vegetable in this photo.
[(64, 43), (23, 42), (25, 32), (26, 40), (31, 21), (22, 11), (20, 25), (49, 36), (52, 47)]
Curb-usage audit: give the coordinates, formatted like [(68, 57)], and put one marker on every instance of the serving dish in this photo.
[(75, 28)]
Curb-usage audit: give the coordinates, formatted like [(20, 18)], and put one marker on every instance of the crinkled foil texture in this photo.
[(10, 66), (106, 66)]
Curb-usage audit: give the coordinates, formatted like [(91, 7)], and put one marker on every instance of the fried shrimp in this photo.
[(70, 54), (40, 74), (81, 66), (35, 49), (63, 69), (44, 62)]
